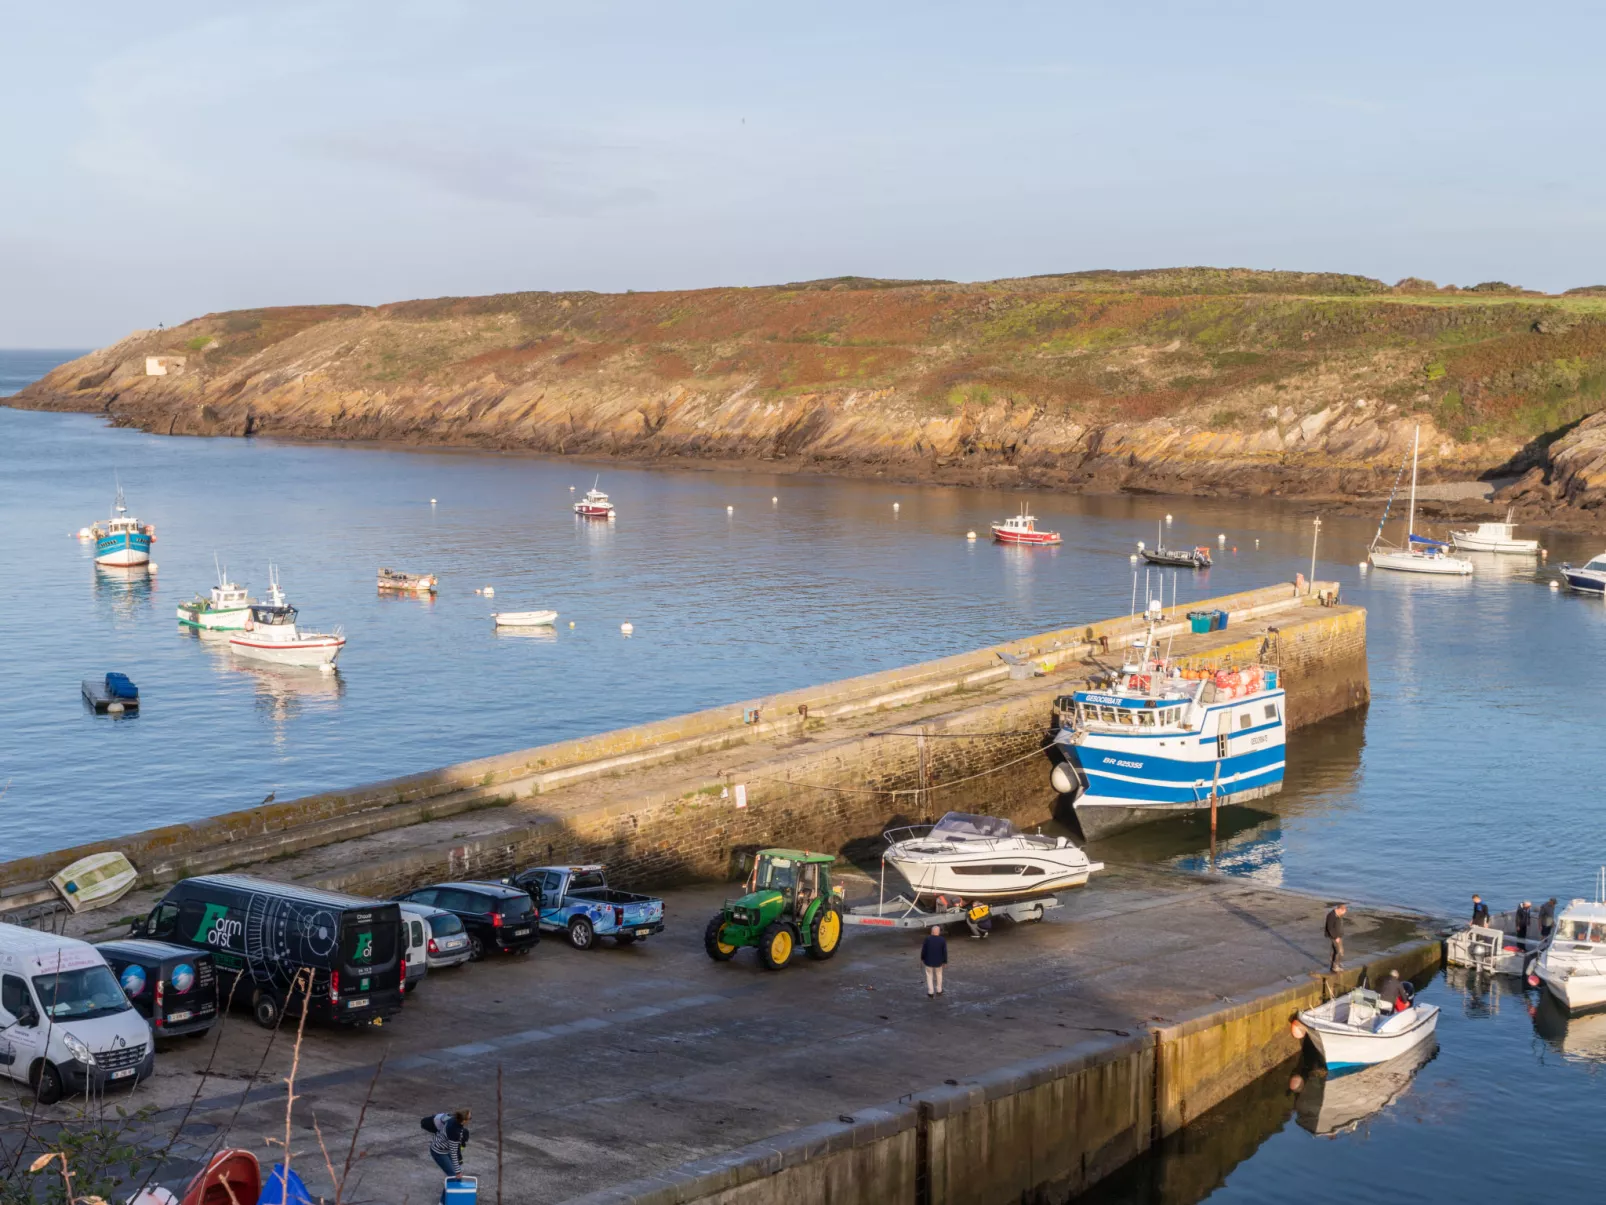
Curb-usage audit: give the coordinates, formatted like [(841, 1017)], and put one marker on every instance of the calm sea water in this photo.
[(1473, 769)]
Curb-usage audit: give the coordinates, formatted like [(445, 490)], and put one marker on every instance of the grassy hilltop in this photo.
[(1194, 379)]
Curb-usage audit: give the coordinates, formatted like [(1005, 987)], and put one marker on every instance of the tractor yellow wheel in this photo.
[(777, 945), (825, 934), (713, 940)]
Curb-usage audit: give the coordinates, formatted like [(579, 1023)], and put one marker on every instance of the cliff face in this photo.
[(1191, 380)]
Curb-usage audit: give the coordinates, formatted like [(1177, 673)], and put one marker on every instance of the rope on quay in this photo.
[(936, 786), (956, 735)]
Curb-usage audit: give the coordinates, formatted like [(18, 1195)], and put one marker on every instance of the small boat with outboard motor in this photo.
[(1022, 529), (395, 581), (122, 540), (225, 611), (1573, 966), (1361, 1029), (271, 634), (1421, 554), (1175, 558), (1156, 740), (595, 505), (1496, 948), (984, 858), (1495, 537), (1589, 578)]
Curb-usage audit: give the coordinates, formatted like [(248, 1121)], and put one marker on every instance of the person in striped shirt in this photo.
[(448, 1135)]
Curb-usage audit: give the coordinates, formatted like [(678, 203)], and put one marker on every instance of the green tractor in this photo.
[(790, 902)]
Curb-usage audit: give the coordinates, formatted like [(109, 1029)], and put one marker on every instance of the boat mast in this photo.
[(1410, 515)]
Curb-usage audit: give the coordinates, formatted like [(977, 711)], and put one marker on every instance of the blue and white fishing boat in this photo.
[(1589, 578), (122, 540), (1161, 741)]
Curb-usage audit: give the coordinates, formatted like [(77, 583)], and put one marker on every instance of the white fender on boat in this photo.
[(1062, 780)]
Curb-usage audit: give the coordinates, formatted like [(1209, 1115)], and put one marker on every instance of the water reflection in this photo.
[(1579, 1039), (284, 692), (125, 590), (1329, 1105)]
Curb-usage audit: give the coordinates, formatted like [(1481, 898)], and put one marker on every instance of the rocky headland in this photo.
[(1186, 380)]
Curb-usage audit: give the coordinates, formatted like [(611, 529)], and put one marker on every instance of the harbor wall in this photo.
[(1040, 1131), (812, 791)]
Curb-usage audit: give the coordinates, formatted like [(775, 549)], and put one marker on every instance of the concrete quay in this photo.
[(825, 767), (650, 1074)]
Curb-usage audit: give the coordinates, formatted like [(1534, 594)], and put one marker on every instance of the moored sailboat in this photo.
[(1420, 554)]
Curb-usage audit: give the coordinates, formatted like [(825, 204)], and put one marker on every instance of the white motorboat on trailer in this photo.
[(1160, 741), (1573, 966), (271, 634), (984, 858), (1495, 537), (226, 611), (1587, 579), (1358, 1029), (1420, 554)]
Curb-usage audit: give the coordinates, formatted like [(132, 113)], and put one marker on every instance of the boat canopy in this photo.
[(273, 613), (962, 826), (1427, 542)]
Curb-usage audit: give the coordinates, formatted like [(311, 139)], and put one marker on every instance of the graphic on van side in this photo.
[(365, 948), (217, 928), (183, 978), (133, 980)]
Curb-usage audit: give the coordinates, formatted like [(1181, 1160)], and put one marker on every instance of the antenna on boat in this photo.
[(219, 569)]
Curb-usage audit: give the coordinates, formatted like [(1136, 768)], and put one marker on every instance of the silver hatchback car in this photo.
[(447, 942)]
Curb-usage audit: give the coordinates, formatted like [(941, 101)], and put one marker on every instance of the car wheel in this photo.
[(47, 1085), (476, 948), (582, 934), (265, 1009)]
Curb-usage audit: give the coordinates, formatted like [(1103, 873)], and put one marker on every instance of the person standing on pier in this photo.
[(1335, 934), (934, 956)]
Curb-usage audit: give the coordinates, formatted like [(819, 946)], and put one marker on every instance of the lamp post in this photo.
[(1315, 534)]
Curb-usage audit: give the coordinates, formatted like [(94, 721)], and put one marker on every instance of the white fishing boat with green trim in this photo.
[(225, 611)]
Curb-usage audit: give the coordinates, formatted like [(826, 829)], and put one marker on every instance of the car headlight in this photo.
[(78, 1050)]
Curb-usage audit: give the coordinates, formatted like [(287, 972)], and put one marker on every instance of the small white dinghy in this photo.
[(1357, 1029), (524, 619), (94, 881)]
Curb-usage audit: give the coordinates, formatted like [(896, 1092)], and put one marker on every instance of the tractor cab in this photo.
[(790, 902)]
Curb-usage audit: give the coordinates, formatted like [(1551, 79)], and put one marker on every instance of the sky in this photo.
[(161, 162)]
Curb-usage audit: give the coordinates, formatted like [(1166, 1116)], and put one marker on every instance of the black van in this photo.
[(172, 987), (263, 935)]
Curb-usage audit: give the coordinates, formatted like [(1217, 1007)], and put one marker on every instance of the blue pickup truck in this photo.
[(577, 902)]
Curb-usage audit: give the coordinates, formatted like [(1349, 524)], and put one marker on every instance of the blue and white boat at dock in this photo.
[(122, 540), (1161, 741)]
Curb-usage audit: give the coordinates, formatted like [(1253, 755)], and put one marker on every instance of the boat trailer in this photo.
[(904, 913)]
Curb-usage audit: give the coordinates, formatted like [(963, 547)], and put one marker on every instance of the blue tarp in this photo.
[(282, 1191), (1416, 539), (118, 686)]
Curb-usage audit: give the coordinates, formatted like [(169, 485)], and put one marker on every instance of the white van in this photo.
[(415, 933), (65, 1024)]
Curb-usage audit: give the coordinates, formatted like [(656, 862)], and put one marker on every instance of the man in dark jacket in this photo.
[(934, 956), (1395, 992), (1524, 916), (1335, 934), (1480, 912), (1547, 918)]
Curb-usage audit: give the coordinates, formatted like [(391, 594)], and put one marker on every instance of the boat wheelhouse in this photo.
[(984, 858), (595, 505), (1589, 578), (1022, 529), (122, 540), (1161, 741)]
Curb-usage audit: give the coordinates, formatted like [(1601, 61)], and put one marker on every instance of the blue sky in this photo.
[(162, 163)]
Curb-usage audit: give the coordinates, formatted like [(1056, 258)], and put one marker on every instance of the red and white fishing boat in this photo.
[(595, 504), (1022, 529), (271, 634)]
